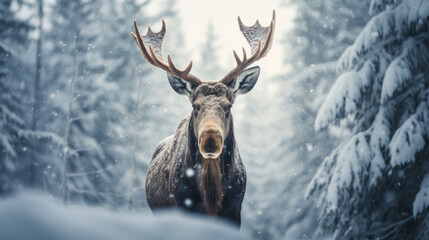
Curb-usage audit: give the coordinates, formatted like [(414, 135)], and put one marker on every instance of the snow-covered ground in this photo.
[(35, 216)]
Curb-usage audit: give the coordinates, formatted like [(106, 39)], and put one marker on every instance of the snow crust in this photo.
[(35, 216)]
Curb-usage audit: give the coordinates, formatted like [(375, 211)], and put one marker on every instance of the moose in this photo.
[(199, 167)]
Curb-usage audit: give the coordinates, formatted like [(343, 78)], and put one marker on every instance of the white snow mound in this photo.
[(34, 216)]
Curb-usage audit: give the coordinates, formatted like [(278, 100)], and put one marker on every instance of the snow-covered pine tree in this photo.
[(123, 126), (73, 57), (374, 184), (144, 109), (323, 29), (19, 157), (13, 32), (297, 152), (118, 128)]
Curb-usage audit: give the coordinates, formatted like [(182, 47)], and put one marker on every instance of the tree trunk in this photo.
[(36, 99), (36, 95), (66, 149)]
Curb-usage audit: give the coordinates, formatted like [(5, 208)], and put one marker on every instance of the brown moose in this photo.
[(199, 167)]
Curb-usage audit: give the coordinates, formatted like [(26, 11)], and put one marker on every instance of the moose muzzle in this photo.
[(210, 142)]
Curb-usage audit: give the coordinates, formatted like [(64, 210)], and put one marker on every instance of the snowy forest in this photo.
[(335, 143)]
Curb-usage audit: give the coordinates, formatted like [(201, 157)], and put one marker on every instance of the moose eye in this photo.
[(196, 107), (227, 108)]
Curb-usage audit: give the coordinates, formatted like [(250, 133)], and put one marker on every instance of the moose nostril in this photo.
[(210, 146)]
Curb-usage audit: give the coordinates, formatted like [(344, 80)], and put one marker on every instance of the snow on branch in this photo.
[(378, 6), (399, 74), (421, 203), (412, 136), (9, 116), (5, 145), (408, 18), (89, 143), (7, 50), (323, 176), (379, 142), (44, 137), (119, 165), (345, 96), (351, 162)]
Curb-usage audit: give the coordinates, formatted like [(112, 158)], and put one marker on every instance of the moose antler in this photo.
[(153, 54), (260, 39)]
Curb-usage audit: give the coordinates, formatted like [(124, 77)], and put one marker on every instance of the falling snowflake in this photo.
[(188, 202), (190, 172)]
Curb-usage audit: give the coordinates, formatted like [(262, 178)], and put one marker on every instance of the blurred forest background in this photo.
[(335, 146)]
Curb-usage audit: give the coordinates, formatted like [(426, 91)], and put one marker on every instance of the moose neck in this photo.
[(213, 171)]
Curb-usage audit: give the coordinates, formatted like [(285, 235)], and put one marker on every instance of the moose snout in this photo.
[(210, 143)]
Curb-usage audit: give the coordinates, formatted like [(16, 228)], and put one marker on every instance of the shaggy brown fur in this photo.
[(211, 186)]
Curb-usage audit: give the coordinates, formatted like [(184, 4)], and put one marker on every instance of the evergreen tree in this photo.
[(95, 91), (374, 183), (13, 32), (74, 64), (323, 29), (146, 109), (123, 125)]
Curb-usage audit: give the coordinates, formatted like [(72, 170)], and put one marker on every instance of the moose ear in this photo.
[(245, 81), (180, 86)]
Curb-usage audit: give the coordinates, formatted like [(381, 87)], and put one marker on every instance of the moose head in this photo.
[(211, 100)]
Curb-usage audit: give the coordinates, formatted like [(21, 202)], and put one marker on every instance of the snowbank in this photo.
[(35, 216)]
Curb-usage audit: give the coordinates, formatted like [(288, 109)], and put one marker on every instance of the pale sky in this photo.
[(195, 16)]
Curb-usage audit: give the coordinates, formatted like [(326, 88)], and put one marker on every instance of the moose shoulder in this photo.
[(199, 167)]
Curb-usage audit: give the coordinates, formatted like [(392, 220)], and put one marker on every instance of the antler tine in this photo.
[(184, 74), (244, 55), (151, 47), (269, 39), (176, 70), (260, 39), (139, 41), (237, 58)]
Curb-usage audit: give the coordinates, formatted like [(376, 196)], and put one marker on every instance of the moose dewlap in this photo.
[(199, 167)]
